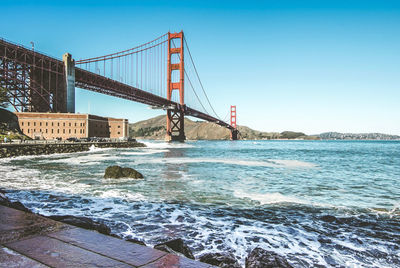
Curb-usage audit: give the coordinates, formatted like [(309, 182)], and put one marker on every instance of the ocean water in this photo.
[(319, 203)]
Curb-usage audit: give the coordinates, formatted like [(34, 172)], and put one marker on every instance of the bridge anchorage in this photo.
[(154, 73)]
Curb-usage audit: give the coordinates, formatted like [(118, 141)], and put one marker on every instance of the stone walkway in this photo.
[(29, 240)]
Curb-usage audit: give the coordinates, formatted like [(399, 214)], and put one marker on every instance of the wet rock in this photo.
[(116, 172), (225, 260), (136, 241), (83, 222), (261, 258), (18, 205), (4, 200), (176, 246), (328, 218)]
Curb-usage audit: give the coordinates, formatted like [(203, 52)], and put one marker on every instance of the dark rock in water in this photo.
[(328, 218), (116, 172), (261, 258), (225, 260), (136, 241), (4, 200), (83, 222), (175, 246), (18, 205)]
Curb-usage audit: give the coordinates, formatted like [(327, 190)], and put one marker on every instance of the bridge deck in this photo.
[(29, 240)]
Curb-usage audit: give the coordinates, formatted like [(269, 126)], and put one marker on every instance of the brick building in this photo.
[(69, 125)]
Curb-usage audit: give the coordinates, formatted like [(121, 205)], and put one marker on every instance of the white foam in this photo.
[(268, 198), (121, 194), (166, 145), (145, 152), (254, 163), (293, 163), (87, 159)]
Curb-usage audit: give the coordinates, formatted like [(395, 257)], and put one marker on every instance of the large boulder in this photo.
[(177, 247), (225, 260), (83, 222), (116, 172), (261, 258)]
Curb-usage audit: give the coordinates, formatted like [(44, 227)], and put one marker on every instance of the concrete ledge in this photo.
[(29, 240)]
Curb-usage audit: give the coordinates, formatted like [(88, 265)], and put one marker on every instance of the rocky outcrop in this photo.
[(261, 258), (17, 205), (18, 149), (116, 172), (83, 222), (136, 241), (177, 247), (225, 260)]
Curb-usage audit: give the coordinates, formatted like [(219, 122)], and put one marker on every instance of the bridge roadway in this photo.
[(10, 52)]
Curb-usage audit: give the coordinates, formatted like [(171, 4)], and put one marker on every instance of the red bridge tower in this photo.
[(175, 117), (234, 131)]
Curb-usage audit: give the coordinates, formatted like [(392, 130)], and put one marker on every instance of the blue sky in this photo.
[(310, 66)]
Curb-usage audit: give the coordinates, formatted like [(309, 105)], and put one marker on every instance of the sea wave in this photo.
[(269, 198), (274, 163), (165, 145)]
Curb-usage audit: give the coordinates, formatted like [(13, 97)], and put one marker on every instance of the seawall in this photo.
[(20, 149)]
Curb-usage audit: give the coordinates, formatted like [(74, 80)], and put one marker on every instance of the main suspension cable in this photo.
[(198, 77)]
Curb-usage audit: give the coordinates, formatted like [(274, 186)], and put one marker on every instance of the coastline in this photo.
[(124, 205), (256, 259), (23, 149)]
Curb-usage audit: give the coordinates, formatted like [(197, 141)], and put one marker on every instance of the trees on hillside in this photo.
[(4, 97)]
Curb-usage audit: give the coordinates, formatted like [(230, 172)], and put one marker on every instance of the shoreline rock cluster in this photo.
[(12, 150), (258, 257)]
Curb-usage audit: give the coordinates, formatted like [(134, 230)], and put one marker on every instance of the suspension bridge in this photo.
[(160, 73)]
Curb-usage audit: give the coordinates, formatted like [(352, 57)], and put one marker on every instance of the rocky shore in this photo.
[(258, 257), (20, 149)]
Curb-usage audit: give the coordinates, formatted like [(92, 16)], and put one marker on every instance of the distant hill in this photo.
[(357, 136), (154, 128)]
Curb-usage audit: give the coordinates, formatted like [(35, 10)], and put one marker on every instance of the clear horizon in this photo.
[(312, 66)]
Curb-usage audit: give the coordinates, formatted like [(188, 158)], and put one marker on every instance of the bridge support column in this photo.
[(175, 117), (234, 134), (175, 126), (69, 64)]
